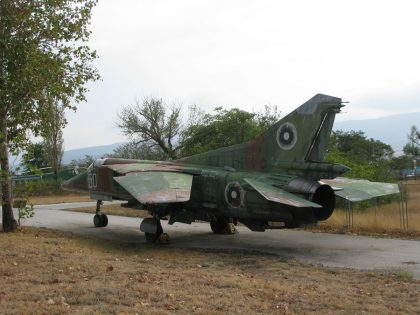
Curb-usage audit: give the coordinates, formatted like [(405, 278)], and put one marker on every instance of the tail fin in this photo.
[(301, 136)]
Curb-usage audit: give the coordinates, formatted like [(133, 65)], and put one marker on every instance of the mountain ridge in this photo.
[(95, 151), (392, 130)]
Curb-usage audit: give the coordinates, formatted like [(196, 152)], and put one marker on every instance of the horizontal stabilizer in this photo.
[(157, 187), (360, 189), (275, 194)]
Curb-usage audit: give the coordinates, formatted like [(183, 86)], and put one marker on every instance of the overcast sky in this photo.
[(247, 54)]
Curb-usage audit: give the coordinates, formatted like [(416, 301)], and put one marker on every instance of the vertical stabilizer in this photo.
[(301, 136)]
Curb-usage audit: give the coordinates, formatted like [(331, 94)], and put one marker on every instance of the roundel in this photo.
[(286, 136), (234, 194)]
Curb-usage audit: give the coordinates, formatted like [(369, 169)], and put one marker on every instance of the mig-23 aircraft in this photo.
[(277, 180)]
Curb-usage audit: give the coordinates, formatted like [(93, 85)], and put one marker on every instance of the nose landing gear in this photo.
[(100, 219)]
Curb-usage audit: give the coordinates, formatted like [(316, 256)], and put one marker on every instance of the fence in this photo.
[(400, 213)]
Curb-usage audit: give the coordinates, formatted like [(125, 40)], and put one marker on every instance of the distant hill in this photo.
[(97, 152), (391, 130)]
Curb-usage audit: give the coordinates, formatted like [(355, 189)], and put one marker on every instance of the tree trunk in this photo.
[(9, 222)]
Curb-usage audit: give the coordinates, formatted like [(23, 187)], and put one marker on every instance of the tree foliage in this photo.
[(225, 128), (154, 122), (53, 137), (367, 158), (412, 148), (357, 146), (43, 56), (34, 157), (138, 151), (156, 129)]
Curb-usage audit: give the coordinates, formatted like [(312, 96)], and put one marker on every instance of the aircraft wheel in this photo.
[(104, 219), (151, 238), (100, 220), (150, 225), (222, 225)]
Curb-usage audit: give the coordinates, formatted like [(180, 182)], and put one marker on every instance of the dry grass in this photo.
[(45, 200), (384, 219), (47, 272)]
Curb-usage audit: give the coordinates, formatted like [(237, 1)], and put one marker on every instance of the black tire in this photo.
[(100, 220), (216, 226), (151, 238), (97, 220), (222, 225), (104, 219)]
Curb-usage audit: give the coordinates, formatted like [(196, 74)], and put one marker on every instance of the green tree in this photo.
[(412, 148), (225, 128), (368, 158), (357, 146), (34, 157), (43, 55), (138, 151), (153, 122), (53, 137)]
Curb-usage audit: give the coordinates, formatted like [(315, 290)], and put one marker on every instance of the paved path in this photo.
[(332, 250)]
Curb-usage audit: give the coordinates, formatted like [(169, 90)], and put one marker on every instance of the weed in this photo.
[(404, 275), (25, 212)]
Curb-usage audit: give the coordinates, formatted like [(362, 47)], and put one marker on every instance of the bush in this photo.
[(25, 212), (24, 189)]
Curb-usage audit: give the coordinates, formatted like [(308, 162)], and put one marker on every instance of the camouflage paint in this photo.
[(274, 177)]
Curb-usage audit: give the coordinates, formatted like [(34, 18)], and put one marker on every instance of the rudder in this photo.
[(301, 136)]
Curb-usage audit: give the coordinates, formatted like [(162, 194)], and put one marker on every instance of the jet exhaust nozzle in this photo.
[(321, 194)]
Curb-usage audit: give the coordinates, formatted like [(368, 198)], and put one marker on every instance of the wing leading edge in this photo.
[(157, 187), (360, 189)]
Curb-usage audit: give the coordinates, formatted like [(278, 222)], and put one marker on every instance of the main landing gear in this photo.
[(223, 225), (153, 231), (100, 219)]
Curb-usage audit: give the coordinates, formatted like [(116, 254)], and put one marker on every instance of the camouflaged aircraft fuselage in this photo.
[(276, 180)]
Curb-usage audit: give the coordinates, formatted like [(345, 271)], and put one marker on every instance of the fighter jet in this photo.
[(277, 180)]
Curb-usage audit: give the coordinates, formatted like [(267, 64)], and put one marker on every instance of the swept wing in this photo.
[(360, 189), (157, 187)]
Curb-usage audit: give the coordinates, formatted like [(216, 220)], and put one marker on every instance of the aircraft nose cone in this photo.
[(77, 183)]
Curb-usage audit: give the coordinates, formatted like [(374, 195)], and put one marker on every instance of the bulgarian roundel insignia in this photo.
[(286, 136), (234, 194)]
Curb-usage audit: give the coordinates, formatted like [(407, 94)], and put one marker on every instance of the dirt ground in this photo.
[(48, 272)]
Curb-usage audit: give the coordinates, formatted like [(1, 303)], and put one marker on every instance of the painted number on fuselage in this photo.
[(92, 181)]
